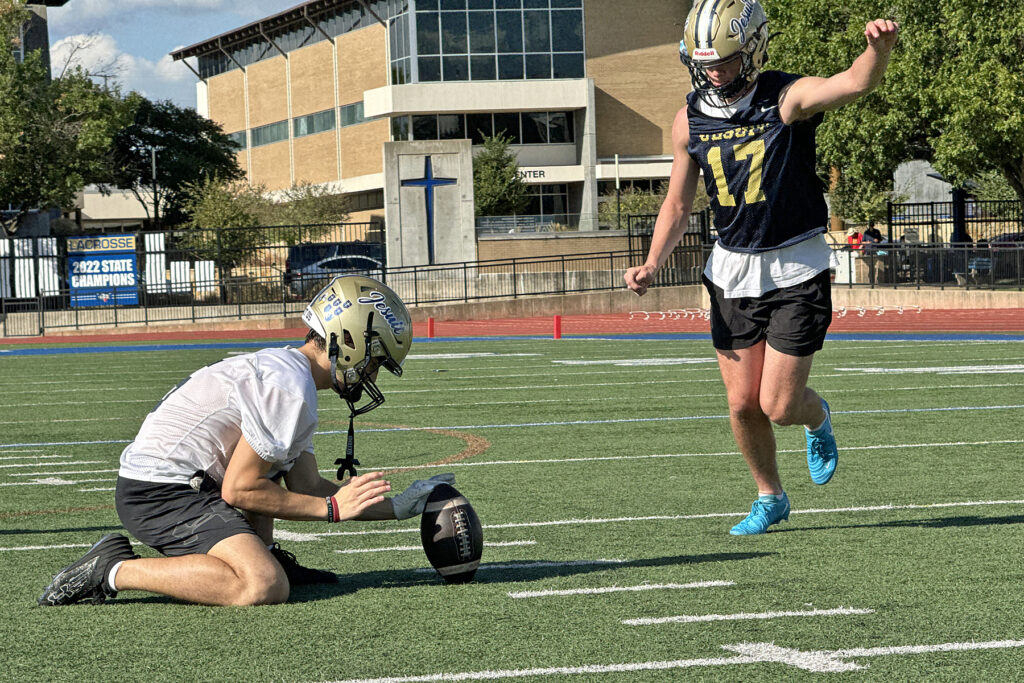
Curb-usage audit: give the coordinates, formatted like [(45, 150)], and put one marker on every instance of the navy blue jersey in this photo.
[(759, 172)]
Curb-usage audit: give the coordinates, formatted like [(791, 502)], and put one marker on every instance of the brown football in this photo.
[(451, 533)]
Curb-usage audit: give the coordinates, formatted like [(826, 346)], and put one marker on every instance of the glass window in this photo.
[(479, 126), (567, 66), (424, 5), (510, 31), (400, 72), (453, 33), (430, 69), (508, 4), (566, 3), (238, 138), (400, 128), (528, 4), (313, 123), (507, 123), (538, 66), (537, 31), (428, 40), (424, 127), (535, 127), (352, 114), (453, 4), (451, 127), (510, 67), (481, 32), (481, 4), (560, 127), (456, 68), (567, 30), (271, 133), (481, 68)]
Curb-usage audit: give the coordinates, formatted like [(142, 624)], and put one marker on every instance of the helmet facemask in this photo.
[(359, 379)]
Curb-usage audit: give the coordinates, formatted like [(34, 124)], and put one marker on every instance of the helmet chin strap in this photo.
[(355, 384), (349, 462)]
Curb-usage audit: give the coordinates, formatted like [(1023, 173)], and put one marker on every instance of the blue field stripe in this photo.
[(687, 336)]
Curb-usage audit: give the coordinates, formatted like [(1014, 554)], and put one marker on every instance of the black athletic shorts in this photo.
[(176, 519), (794, 319)]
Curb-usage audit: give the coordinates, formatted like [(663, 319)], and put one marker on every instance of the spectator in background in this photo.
[(854, 239)]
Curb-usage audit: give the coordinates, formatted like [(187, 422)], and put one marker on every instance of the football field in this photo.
[(606, 478)]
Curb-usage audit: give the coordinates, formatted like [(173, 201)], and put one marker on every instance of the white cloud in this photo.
[(99, 54), (82, 12)]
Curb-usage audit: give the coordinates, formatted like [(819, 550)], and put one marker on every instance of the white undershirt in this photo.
[(742, 274)]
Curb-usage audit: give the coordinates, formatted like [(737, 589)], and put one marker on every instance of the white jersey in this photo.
[(742, 274), (268, 396)]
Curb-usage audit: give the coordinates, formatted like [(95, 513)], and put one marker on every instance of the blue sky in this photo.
[(131, 40)]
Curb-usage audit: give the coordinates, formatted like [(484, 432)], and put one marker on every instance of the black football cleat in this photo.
[(296, 573), (86, 579)]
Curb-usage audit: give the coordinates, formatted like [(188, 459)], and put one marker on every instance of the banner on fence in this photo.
[(103, 270)]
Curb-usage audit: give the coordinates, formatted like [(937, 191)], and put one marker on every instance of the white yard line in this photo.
[(744, 616), (540, 565), (823, 661), (500, 544), (621, 589)]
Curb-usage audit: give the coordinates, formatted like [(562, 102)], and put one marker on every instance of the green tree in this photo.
[(55, 135), (953, 93), (189, 147), (309, 211), (217, 210), (615, 209), (497, 188)]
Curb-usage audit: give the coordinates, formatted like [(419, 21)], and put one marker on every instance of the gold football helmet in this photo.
[(365, 326), (717, 31)]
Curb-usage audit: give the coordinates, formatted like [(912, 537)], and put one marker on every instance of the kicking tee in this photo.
[(268, 397)]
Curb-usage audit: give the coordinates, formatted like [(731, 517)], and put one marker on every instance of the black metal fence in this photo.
[(961, 221), (224, 275)]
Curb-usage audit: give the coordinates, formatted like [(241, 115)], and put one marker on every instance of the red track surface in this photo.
[(888, 319)]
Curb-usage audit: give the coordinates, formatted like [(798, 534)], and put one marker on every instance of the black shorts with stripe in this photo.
[(176, 519), (794, 320)]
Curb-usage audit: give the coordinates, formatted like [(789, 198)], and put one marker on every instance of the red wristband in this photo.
[(333, 515)]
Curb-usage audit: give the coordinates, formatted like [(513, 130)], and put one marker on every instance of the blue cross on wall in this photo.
[(428, 182)]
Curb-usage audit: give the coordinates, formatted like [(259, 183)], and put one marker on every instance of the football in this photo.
[(451, 533)]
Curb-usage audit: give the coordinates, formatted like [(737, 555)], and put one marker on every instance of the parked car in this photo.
[(1007, 253), (311, 266)]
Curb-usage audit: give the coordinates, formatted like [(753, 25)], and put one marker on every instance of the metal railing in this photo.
[(995, 265), (936, 222)]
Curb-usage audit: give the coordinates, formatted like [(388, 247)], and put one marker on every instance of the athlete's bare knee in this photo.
[(270, 590), (745, 410), (781, 412)]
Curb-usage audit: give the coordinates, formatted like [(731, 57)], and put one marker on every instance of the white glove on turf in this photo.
[(411, 501)]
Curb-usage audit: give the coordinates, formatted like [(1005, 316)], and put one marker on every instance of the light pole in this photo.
[(156, 196)]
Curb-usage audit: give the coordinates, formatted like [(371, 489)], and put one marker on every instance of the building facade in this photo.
[(586, 90)]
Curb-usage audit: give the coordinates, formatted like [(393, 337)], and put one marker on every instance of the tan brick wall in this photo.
[(268, 97), (312, 70), (638, 79), (316, 158), (368, 216), (532, 247), (227, 104), (362, 63), (362, 148), (270, 166)]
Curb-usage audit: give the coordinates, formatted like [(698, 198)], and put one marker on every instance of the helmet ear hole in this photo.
[(349, 342)]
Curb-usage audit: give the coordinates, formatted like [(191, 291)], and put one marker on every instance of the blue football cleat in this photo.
[(763, 513), (822, 454)]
